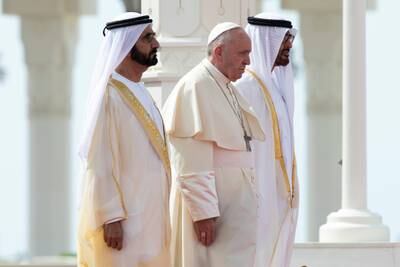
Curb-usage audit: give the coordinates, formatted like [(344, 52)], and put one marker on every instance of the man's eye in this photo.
[(149, 37)]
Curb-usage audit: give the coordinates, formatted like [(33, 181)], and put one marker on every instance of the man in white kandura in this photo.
[(124, 217), (209, 128), (268, 86)]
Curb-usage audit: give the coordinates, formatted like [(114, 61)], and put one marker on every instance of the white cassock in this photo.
[(274, 158), (125, 179), (213, 173)]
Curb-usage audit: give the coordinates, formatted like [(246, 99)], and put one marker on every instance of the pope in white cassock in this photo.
[(214, 200), (124, 217), (268, 86)]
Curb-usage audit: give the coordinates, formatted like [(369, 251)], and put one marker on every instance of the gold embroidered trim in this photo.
[(157, 141), (277, 138)]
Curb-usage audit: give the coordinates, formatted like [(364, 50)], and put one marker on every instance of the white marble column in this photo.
[(182, 28), (49, 34), (354, 222), (321, 36)]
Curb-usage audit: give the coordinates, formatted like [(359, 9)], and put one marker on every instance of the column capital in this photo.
[(49, 58), (49, 7)]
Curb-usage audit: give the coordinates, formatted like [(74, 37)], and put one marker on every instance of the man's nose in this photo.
[(155, 43), (289, 44), (247, 60)]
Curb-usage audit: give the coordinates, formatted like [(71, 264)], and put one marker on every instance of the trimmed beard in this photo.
[(143, 59)]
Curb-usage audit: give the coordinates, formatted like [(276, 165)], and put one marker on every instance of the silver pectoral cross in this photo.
[(247, 139)]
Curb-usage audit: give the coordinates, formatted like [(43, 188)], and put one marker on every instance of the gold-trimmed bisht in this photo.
[(149, 126), (277, 139)]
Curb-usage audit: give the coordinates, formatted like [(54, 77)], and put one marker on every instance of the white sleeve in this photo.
[(193, 168), (104, 201), (200, 195)]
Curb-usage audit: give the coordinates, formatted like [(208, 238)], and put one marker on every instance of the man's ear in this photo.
[(218, 53)]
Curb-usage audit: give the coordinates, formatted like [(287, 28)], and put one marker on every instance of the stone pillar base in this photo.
[(351, 225)]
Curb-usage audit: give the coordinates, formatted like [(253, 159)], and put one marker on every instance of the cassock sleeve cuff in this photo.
[(114, 220), (200, 195), (111, 212)]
